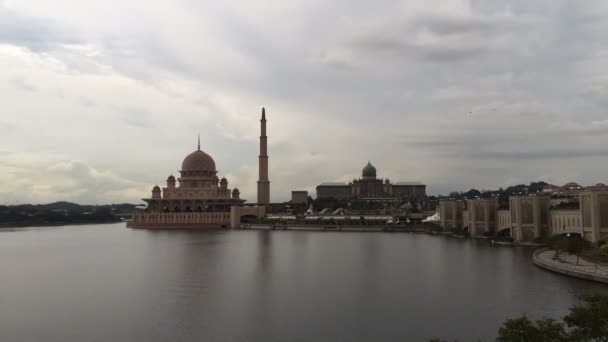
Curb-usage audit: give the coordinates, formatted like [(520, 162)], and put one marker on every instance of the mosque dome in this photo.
[(156, 188), (171, 178), (198, 161), (369, 171)]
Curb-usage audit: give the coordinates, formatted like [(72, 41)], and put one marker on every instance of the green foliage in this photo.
[(554, 241), (589, 320), (523, 330), (576, 244), (60, 213), (562, 245), (586, 322), (604, 249)]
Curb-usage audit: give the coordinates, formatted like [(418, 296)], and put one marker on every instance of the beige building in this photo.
[(566, 221), (503, 220), (299, 197), (481, 215), (594, 212), (531, 217), (477, 216), (451, 214)]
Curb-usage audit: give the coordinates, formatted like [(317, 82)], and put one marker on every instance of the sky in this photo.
[(102, 99)]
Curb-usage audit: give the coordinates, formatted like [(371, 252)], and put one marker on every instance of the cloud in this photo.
[(137, 118), (121, 95), (36, 34), (563, 154), (38, 178), (444, 37), (24, 85)]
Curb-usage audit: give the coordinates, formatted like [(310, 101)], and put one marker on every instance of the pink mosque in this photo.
[(199, 199)]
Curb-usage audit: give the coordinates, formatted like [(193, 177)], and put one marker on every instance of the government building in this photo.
[(200, 199), (369, 187), (530, 217)]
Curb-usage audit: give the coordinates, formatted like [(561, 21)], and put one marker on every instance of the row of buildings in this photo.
[(532, 216), (198, 198)]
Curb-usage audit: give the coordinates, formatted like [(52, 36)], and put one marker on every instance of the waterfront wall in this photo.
[(180, 220), (544, 258)]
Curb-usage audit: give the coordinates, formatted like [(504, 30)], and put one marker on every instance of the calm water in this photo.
[(106, 282)]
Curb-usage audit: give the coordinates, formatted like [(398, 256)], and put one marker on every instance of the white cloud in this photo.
[(120, 90)]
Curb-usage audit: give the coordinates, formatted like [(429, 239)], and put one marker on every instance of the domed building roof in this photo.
[(171, 178), (369, 170), (156, 188), (198, 161)]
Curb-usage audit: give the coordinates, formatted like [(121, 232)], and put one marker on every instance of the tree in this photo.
[(588, 321), (559, 244), (576, 245), (523, 330)]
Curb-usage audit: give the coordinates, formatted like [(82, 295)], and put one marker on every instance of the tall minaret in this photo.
[(263, 182)]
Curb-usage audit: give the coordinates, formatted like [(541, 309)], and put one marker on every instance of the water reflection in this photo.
[(100, 283)]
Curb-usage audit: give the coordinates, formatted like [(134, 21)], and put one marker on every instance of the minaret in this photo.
[(263, 182)]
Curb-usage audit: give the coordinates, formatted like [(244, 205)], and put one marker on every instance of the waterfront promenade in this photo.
[(334, 227), (566, 264)]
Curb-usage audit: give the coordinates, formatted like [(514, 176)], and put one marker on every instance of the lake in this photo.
[(110, 283)]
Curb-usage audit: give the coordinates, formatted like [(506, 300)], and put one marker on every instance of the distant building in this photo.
[(572, 189), (299, 197), (371, 187), (451, 214), (200, 199), (340, 191), (531, 217)]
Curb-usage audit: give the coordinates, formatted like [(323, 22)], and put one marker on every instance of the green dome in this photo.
[(369, 171)]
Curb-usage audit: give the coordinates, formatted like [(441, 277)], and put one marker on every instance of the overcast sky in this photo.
[(102, 99)]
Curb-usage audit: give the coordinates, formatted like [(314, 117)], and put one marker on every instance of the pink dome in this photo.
[(198, 161)]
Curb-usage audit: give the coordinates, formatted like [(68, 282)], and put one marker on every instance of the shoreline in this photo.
[(50, 225), (584, 270)]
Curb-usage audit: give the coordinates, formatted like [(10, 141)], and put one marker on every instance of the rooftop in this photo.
[(334, 184), (407, 183)]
